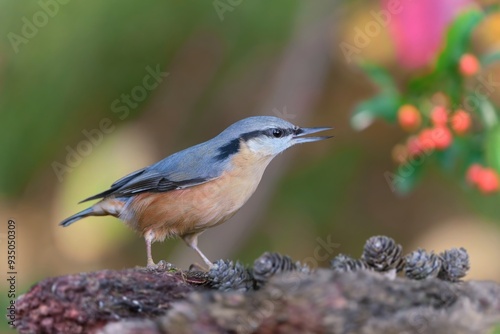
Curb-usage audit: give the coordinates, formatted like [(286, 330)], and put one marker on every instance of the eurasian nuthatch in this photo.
[(199, 187)]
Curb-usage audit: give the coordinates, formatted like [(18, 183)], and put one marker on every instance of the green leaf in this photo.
[(458, 40), (421, 84), (492, 148), (490, 58), (384, 105), (380, 77)]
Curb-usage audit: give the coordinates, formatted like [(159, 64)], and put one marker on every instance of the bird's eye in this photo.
[(277, 133)]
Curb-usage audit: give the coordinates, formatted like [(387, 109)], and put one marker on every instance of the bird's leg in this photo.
[(192, 241), (149, 236)]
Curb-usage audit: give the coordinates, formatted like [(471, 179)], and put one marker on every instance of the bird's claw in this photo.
[(162, 265)]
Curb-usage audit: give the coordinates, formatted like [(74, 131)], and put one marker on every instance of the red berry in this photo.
[(461, 122), (442, 137), (488, 181), (426, 141), (473, 173), (409, 117), (439, 116), (469, 65)]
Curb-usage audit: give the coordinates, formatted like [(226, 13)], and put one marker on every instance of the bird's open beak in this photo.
[(299, 138)]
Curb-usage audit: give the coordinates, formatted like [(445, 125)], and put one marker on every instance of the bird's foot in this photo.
[(162, 265)]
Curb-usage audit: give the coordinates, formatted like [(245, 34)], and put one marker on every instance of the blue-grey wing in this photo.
[(184, 169)]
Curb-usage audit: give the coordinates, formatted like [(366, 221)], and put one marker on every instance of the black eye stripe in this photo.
[(233, 146), (268, 132)]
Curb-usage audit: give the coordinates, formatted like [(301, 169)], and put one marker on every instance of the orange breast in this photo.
[(194, 209)]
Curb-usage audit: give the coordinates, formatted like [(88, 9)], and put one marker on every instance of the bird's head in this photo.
[(266, 135)]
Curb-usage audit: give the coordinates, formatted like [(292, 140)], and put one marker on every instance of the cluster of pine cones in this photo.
[(380, 253), (383, 254), (229, 276)]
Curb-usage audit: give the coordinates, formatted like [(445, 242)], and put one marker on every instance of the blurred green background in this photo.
[(75, 69)]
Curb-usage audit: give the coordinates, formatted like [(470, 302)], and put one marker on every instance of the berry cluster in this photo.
[(435, 125), (410, 118), (447, 109), (436, 136)]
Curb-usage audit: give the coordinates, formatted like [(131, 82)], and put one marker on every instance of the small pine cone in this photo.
[(455, 264), (383, 254), (270, 264), (226, 276), (343, 262), (421, 265)]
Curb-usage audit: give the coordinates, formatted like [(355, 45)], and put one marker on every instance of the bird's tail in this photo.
[(82, 214)]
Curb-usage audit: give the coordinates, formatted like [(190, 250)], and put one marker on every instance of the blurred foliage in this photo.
[(445, 73), (444, 78), (66, 76), (384, 105)]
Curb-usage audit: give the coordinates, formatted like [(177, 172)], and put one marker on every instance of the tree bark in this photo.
[(167, 300)]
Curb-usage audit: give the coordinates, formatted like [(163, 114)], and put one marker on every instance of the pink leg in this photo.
[(192, 241), (149, 236)]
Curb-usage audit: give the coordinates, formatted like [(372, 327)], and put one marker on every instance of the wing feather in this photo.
[(181, 170), (145, 181)]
